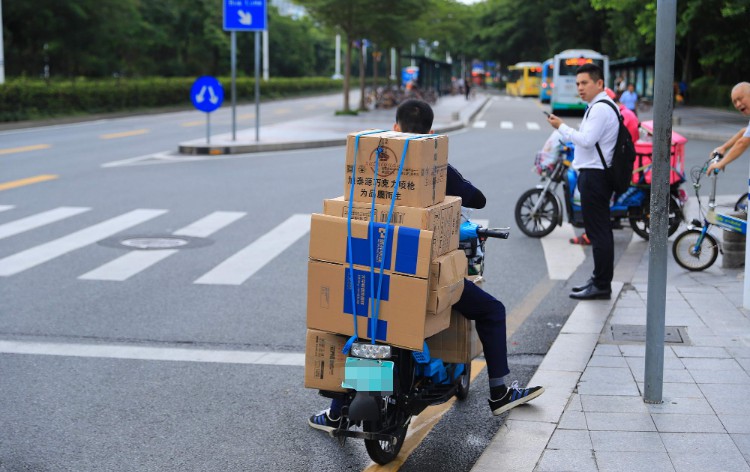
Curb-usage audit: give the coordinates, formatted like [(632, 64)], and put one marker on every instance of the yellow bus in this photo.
[(524, 79)]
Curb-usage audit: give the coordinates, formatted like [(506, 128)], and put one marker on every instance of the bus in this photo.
[(545, 87), (565, 93), (524, 79)]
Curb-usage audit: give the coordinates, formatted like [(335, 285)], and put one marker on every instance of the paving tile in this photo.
[(743, 444), (691, 462), (607, 350), (745, 363), (613, 404), (681, 390), (670, 363), (703, 340), (608, 388), (695, 351), (607, 361), (574, 403), (586, 318), (736, 424), (633, 462), (668, 375), (568, 439), (607, 374), (573, 420), (565, 461), (517, 445), (739, 352), (570, 352), (738, 377), (727, 399), (698, 443), (623, 421), (682, 423), (626, 441), (558, 387), (704, 363), (675, 405), (639, 350)]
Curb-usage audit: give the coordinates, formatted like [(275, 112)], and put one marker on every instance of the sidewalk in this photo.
[(452, 112), (592, 416)]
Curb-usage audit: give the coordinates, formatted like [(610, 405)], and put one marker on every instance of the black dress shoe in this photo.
[(592, 292), (580, 288)]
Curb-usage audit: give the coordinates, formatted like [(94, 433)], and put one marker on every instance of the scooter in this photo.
[(539, 210), (401, 383)]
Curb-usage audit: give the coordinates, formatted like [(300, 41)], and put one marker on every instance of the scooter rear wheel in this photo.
[(542, 223), (383, 452), (641, 224), (462, 393), (686, 255)]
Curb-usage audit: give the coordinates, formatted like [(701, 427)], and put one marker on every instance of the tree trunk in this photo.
[(362, 76), (398, 67), (347, 72), (375, 64)]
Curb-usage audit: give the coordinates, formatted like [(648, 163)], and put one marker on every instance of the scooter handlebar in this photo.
[(500, 233)]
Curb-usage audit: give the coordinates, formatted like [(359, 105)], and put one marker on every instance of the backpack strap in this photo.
[(619, 119)]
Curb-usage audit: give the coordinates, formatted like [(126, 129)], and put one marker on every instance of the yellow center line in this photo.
[(34, 147), (27, 181), (247, 116), (421, 426), (124, 134), (188, 124), (282, 111)]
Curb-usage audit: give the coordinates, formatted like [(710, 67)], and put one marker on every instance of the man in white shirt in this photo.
[(738, 143), (594, 142)]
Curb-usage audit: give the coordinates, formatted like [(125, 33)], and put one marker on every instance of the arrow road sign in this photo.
[(245, 15), (207, 94)]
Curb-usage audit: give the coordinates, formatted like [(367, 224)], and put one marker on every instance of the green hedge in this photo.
[(706, 92), (33, 99)]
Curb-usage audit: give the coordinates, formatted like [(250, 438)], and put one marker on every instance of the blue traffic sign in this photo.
[(207, 94), (245, 15)]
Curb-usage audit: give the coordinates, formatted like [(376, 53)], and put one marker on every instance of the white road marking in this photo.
[(532, 126), (40, 219), (242, 265), (137, 261), (506, 125), (34, 256), (138, 159), (6, 207), (562, 257), (480, 124), (114, 351)]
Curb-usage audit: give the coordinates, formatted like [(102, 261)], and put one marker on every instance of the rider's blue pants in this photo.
[(489, 314)]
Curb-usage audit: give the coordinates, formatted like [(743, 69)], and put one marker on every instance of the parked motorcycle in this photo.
[(406, 382), (540, 209)]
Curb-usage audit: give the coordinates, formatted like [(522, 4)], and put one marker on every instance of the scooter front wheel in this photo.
[(693, 256), (542, 222), (383, 452)]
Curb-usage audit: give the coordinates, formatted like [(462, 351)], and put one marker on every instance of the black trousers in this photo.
[(596, 193), (489, 314)]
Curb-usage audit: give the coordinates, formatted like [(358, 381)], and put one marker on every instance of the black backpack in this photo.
[(620, 173)]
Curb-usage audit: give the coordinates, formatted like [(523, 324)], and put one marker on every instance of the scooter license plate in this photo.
[(368, 375)]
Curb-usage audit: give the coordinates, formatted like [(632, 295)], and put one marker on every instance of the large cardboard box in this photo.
[(402, 320), (447, 275), (443, 219), (399, 249), (424, 173), (324, 360), (457, 344)]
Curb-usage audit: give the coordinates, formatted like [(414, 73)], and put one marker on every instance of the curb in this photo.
[(519, 444)]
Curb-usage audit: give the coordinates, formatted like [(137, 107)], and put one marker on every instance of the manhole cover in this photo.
[(154, 243), (637, 333)]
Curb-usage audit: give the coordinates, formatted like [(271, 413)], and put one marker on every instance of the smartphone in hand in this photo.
[(546, 113)]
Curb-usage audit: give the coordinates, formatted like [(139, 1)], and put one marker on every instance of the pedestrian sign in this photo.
[(207, 94), (245, 15)]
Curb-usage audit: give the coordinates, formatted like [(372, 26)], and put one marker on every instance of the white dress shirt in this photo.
[(599, 125)]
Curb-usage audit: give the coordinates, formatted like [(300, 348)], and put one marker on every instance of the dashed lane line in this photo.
[(124, 134), (27, 181), (34, 147)]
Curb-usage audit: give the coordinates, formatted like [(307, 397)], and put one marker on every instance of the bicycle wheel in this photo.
[(691, 256), (741, 204), (541, 223)]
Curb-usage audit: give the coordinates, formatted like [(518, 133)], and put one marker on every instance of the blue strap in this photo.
[(351, 340), (388, 226)]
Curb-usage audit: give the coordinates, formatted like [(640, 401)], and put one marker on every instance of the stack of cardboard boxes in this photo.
[(422, 268)]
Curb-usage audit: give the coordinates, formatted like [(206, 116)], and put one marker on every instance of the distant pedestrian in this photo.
[(467, 88), (738, 143), (630, 99), (594, 148)]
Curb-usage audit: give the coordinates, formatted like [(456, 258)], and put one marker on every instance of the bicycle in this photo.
[(696, 249)]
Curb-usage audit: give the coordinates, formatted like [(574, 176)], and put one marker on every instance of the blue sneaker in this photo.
[(513, 397), (324, 422)]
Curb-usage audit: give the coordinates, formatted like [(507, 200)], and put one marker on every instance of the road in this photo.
[(189, 356)]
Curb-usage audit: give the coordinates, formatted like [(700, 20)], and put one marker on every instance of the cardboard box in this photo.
[(447, 275), (424, 173), (405, 250), (324, 360), (443, 219), (459, 343), (402, 319)]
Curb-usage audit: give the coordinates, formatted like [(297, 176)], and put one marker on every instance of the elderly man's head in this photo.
[(741, 97)]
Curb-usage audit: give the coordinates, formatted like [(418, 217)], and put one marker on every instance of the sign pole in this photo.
[(208, 128), (234, 86), (257, 85)]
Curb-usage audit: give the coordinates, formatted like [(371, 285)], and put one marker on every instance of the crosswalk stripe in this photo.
[(34, 256), (562, 257), (137, 261), (480, 124), (532, 125), (40, 219), (6, 207), (242, 265), (506, 125)]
